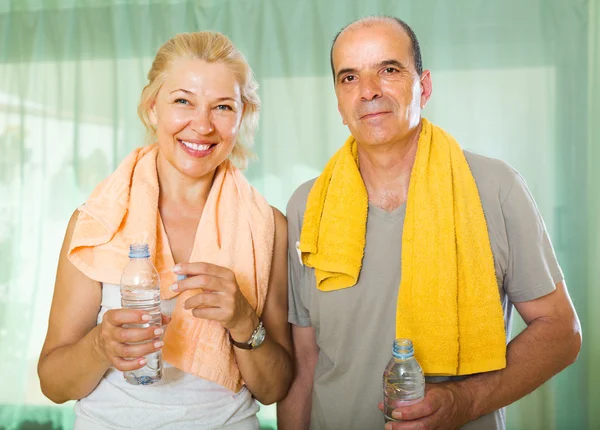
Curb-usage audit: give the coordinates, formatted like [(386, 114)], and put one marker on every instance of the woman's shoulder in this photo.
[(71, 224)]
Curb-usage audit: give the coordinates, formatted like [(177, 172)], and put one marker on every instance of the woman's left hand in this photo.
[(219, 298)]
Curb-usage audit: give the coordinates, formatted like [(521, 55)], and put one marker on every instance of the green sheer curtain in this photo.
[(513, 79), (592, 316)]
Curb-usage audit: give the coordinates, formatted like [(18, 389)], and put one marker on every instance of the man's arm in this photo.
[(293, 412), (550, 343)]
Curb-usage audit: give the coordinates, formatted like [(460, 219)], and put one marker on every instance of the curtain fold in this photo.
[(592, 328)]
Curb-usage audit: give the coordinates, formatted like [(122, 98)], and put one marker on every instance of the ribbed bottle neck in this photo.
[(139, 250), (403, 349)]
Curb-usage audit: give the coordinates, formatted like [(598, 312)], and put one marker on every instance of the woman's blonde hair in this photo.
[(211, 47)]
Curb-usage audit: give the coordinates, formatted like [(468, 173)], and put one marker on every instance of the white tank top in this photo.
[(179, 401)]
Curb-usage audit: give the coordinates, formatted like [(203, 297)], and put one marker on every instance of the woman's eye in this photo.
[(224, 107), (182, 101)]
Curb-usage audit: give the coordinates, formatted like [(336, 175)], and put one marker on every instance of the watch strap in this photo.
[(250, 343)]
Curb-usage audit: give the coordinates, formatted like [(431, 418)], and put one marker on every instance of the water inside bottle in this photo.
[(143, 299), (403, 385), (147, 299)]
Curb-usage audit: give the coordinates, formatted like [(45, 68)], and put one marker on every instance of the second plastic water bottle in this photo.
[(140, 290), (403, 380)]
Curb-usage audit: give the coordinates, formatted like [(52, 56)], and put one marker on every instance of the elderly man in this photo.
[(405, 235)]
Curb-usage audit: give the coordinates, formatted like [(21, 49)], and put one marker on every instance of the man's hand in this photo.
[(445, 407)]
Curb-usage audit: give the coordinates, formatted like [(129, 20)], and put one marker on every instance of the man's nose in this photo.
[(370, 88)]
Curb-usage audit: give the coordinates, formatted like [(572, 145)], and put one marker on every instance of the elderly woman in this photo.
[(201, 218)]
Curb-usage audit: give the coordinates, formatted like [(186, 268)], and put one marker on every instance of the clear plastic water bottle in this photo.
[(140, 290), (403, 380)]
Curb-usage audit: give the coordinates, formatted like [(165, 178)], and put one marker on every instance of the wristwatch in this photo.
[(256, 340)]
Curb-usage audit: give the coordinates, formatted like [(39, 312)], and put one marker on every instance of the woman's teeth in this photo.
[(195, 146)]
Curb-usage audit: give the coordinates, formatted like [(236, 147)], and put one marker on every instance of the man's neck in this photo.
[(386, 171)]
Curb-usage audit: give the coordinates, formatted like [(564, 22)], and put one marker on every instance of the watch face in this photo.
[(259, 338)]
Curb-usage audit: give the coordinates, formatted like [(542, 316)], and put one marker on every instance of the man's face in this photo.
[(380, 95)]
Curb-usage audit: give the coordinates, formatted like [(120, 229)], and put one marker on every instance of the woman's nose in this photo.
[(201, 122)]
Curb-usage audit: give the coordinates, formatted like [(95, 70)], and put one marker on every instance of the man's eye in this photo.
[(349, 78), (391, 70)]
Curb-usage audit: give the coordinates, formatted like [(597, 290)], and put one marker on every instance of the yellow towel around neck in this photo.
[(236, 230), (448, 302)]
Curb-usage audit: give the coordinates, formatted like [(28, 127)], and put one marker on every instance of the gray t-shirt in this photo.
[(355, 327)]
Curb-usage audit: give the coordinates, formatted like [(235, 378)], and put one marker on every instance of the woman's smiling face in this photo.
[(197, 115)]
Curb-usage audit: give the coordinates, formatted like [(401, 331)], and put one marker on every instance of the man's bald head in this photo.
[(370, 21)]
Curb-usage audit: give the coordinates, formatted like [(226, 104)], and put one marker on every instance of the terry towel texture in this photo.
[(448, 302), (236, 230)]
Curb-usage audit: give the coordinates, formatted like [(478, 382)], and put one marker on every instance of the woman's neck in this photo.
[(179, 189)]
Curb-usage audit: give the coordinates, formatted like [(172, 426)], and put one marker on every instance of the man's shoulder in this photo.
[(297, 203), (491, 174), (483, 165)]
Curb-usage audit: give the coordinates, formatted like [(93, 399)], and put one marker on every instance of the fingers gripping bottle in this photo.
[(140, 290), (403, 380)]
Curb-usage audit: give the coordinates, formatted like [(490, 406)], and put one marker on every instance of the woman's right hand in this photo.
[(124, 347)]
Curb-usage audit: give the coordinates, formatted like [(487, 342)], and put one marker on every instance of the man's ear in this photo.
[(426, 88)]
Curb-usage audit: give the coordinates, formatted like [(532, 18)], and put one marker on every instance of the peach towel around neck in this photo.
[(448, 302), (236, 230)]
